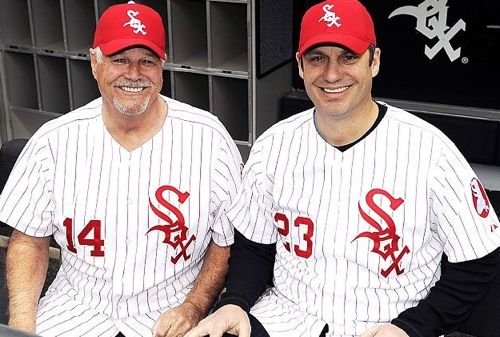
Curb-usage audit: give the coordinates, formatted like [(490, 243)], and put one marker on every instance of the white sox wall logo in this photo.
[(431, 21), (385, 240), (176, 232)]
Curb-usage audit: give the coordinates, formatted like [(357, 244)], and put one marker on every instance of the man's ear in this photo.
[(93, 62), (300, 65), (376, 62)]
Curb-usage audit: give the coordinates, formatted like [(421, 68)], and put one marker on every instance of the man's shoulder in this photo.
[(288, 125), (402, 116), (186, 113), (73, 119), (418, 126)]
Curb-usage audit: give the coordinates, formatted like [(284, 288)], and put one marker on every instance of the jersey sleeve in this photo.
[(252, 212), (26, 201), (466, 221), (226, 178)]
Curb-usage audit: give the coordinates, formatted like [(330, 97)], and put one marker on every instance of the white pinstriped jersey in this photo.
[(133, 226), (359, 233)]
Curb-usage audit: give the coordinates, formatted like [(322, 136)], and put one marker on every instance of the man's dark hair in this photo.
[(371, 48)]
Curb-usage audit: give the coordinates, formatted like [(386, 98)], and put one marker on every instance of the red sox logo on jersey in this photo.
[(385, 240), (479, 198), (176, 232)]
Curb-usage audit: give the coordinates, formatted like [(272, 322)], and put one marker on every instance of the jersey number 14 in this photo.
[(89, 236)]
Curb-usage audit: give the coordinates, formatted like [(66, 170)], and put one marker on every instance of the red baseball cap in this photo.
[(127, 25), (343, 22)]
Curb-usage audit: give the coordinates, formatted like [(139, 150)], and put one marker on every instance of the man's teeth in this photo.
[(337, 90), (132, 89)]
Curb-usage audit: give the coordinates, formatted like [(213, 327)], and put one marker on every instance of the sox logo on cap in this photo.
[(135, 23), (329, 16)]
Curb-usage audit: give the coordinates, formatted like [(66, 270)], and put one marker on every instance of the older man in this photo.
[(131, 186)]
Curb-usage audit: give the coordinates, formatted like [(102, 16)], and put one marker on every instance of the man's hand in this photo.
[(177, 321), (385, 330), (229, 318)]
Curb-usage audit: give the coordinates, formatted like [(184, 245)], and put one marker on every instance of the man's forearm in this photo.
[(251, 268), (210, 281), (461, 287), (26, 265)]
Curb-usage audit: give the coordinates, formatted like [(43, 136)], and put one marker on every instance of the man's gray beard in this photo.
[(130, 112)]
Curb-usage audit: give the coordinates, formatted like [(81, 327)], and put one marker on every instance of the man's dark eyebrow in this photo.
[(313, 51), (314, 48)]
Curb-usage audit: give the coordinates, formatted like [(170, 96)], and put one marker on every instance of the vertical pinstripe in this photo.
[(72, 168), (294, 172)]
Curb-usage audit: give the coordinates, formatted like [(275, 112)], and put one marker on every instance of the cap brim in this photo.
[(114, 46), (352, 43)]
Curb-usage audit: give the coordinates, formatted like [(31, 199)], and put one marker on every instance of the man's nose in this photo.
[(332, 71), (134, 70)]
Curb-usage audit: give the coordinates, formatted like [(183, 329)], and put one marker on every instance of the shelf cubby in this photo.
[(188, 33), (80, 23), (15, 22), (231, 105), (21, 76), (53, 79), (228, 37), (47, 25), (192, 88)]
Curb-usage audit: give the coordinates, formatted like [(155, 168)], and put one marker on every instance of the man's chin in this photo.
[(130, 110)]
